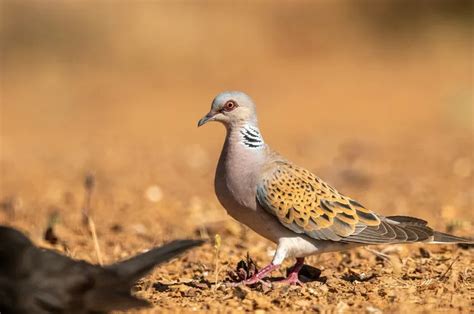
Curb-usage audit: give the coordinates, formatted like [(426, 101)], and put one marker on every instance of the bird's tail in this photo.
[(440, 237), (430, 235), (136, 267)]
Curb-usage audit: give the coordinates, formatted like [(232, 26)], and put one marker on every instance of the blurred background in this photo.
[(99, 102), (374, 96)]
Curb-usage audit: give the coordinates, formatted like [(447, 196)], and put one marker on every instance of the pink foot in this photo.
[(292, 278), (258, 276)]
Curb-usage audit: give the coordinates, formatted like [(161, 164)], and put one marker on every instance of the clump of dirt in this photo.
[(245, 269)]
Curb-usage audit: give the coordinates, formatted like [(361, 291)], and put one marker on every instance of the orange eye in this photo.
[(230, 105)]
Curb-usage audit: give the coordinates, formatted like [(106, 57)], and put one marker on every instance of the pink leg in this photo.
[(292, 277), (259, 276)]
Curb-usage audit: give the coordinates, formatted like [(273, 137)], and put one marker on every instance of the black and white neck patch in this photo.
[(251, 137)]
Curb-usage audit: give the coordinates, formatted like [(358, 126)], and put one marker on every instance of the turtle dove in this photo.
[(289, 205)]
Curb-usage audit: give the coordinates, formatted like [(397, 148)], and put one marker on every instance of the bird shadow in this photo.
[(352, 276), (307, 274), (198, 284)]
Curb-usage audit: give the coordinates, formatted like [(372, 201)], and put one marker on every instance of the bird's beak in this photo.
[(208, 117)]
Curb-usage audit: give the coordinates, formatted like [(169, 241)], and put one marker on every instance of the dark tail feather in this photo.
[(440, 237), (423, 232), (136, 267)]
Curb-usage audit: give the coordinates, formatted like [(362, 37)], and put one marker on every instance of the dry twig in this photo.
[(449, 268), (217, 246), (94, 239), (89, 183)]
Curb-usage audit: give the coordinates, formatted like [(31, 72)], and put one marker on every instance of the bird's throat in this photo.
[(250, 137)]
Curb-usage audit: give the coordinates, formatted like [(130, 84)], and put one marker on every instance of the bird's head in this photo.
[(231, 108)]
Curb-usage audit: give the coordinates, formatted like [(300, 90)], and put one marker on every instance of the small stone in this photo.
[(372, 310), (303, 303), (424, 253), (191, 292), (324, 288), (116, 228), (139, 229), (240, 293), (341, 307), (154, 194)]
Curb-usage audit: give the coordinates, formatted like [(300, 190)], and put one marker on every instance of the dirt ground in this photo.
[(378, 279), (387, 122)]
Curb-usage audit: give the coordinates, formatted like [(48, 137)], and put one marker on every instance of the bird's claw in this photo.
[(292, 279)]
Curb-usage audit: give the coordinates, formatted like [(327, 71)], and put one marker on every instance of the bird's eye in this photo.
[(230, 105)]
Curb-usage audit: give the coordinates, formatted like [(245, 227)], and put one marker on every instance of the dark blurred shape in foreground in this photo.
[(34, 280)]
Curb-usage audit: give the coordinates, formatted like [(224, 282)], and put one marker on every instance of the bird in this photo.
[(289, 205), (35, 280)]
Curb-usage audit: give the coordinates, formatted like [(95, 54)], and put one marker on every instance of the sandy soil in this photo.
[(131, 214), (385, 119)]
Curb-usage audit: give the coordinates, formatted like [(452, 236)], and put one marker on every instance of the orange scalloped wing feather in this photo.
[(306, 204)]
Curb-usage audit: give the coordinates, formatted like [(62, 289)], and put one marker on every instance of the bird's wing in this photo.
[(305, 204)]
